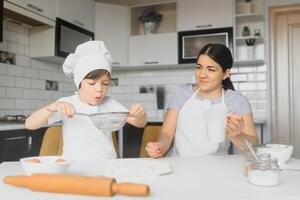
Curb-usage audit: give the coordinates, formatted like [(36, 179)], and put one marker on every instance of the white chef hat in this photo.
[(87, 57)]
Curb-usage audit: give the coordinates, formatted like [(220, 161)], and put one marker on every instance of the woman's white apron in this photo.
[(191, 136)]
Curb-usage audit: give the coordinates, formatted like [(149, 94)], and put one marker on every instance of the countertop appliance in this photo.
[(68, 36), (191, 42)]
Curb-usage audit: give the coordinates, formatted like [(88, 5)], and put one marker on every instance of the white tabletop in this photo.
[(212, 177)]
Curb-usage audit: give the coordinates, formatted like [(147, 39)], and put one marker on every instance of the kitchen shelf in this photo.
[(166, 25), (248, 37), (250, 15), (153, 67), (253, 18), (248, 62)]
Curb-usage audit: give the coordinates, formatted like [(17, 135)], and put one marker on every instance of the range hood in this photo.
[(25, 16)]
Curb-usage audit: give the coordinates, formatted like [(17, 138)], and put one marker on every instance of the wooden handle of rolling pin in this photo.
[(84, 185)]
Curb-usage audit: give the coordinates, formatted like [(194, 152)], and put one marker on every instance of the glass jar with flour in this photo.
[(264, 172)]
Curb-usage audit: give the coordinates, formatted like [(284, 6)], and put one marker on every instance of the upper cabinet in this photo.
[(155, 49), (78, 12), (111, 26), (33, 12), (249, 32), (204, 14)]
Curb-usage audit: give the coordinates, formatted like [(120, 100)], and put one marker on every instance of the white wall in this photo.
[(22, 86)]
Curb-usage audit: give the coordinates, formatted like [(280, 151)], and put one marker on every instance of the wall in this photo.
[(250, 80), (22, 86)]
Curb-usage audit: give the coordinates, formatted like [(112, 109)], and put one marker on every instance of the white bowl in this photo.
[(47, 165), (280, 151)]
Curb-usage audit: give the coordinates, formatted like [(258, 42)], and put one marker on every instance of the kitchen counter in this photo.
[(6, 126), (207, 177)]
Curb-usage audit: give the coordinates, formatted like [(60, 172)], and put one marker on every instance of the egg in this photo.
[(34, 160), (60, 160)]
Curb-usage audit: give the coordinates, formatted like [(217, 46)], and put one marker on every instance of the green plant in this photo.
[(150, 15)]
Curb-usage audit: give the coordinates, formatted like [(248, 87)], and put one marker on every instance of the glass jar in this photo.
[(264, 172)]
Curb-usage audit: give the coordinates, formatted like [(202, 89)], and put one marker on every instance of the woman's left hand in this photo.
[(235, 125), (136, 110)]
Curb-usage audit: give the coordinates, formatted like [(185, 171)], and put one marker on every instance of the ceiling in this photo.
[(131, 2)]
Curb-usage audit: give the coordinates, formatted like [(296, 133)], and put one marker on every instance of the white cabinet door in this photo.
[(204, 14), (111, 26), (156, 49), (78, 12), (45, 8)]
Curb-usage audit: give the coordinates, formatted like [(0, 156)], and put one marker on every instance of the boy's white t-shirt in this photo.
[(81, 139)]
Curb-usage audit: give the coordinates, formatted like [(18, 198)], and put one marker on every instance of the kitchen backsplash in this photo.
[(249, 80), (22, 86)]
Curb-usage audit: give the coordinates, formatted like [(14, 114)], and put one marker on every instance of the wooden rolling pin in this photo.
[(84, 185)]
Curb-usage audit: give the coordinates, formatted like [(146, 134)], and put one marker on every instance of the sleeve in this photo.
[(242, 105), (176, 100)]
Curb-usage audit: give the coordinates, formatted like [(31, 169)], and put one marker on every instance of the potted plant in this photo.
[(150, 18)]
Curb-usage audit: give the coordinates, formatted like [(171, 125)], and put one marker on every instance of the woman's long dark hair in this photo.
[(221, 55)]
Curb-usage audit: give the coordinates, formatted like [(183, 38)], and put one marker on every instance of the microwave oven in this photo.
[(68, 36), (191, 42)]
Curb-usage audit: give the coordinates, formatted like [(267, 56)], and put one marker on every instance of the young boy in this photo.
[(90, 65)]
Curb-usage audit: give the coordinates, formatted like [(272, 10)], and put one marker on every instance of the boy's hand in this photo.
[(136, 110), (63, 108)]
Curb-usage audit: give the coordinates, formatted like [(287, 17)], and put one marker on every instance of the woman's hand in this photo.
[(137, 111), (63, 108), (235, 125), (154, 149)]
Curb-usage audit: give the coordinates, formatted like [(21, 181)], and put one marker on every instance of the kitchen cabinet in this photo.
[(45, 8), (78, 12), (203, 14), (132, 139), (16, 144), (35, 139), (114, 32), (154, 49)]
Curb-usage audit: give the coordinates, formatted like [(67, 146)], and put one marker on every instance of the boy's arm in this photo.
[(39, 118)]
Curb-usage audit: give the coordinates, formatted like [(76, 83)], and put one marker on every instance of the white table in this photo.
[(212, 177)]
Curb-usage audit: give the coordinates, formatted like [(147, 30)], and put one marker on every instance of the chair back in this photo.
[(52, 144), (150, 134)]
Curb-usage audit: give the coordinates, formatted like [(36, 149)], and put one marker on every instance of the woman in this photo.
[(186, 121), (90, 65)]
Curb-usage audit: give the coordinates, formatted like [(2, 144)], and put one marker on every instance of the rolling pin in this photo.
[(84, 185)]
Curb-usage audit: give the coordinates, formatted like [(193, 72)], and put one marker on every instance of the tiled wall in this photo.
[(249, 80), (22, 86)]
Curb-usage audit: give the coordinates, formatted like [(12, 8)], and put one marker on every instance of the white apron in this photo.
[(191, 136)]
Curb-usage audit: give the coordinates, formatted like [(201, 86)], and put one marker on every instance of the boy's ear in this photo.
[(226, 74)]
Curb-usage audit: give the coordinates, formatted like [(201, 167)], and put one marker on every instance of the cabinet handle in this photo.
[(115, 63), (151, 62), (15, 138), (204, 26), (35, 8), (29, 142), (78, 22)]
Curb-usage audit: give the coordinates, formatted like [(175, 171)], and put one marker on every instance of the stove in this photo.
[(13, 119)]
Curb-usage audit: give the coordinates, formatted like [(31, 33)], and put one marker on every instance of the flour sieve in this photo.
[(106, 121)]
